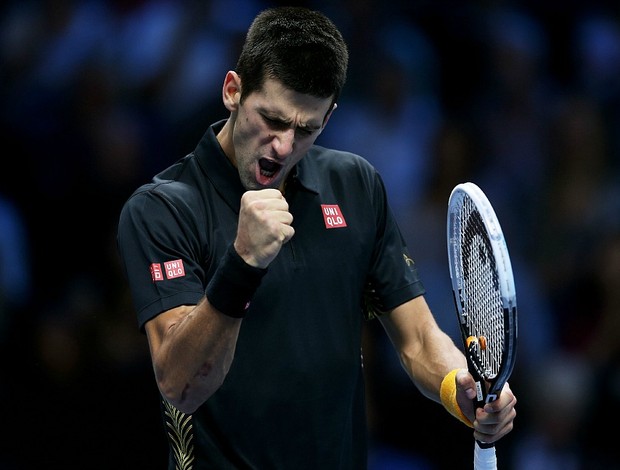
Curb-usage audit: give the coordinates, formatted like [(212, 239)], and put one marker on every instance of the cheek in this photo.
[(251, 131), (303, 145), (244, 132)]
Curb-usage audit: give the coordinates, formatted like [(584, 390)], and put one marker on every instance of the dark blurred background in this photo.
[(520, 97)]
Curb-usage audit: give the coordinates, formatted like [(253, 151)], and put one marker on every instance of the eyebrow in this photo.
[(307, 127), (274, 116)]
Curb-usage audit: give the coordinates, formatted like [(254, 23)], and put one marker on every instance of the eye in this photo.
[(275, 123), (304, 132)]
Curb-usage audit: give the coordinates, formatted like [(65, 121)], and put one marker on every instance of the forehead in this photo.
[(275, 98)]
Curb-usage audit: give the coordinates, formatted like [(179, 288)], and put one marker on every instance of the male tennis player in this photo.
[(254, 261)]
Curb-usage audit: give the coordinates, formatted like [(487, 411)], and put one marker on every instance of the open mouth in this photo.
[(268, 168)]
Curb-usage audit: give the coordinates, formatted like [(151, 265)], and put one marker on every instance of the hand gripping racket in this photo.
[(484, 294)]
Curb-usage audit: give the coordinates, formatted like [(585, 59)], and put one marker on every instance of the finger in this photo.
[(261, 198), (506, 400), (287, 233), (492, 433), (282, 217), (261, 204), (268, 194), (493, 423), (466, 383), (271, 193)]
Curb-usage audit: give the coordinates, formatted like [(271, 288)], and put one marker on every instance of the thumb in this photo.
[(466, 393)]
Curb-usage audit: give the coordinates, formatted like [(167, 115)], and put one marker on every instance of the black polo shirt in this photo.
[(294, 396)]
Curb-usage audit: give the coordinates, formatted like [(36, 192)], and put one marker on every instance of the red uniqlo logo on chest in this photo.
[(332, 215)]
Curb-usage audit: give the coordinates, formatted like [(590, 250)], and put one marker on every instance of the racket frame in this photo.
[(488, 387)]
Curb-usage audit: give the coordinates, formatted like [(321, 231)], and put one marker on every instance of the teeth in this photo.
[(268, 167)]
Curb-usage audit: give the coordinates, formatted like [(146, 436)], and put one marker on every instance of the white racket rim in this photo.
[(502, 262), (496, 237)]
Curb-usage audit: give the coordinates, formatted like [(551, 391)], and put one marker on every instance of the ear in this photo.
[(231, 91), (329, 114)]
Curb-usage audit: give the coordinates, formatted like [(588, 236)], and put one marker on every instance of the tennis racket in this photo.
[(484, 294)]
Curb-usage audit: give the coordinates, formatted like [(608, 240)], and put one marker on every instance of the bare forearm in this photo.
[(192, 356), (429, 364), (426, 353)]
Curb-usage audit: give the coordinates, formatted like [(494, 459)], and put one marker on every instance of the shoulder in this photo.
[(338, 174), (338, 158), (339, 164), (174, 188)]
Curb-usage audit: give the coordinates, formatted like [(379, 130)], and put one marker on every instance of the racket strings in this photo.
[(482, 300)]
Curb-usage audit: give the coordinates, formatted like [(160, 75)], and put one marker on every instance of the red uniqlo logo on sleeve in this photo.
[(174, 269), (171, 268), (332, 216), (156, 273)]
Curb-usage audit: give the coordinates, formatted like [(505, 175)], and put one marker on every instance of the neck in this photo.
[(224, 137)]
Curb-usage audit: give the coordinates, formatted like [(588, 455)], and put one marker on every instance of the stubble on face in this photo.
[(264, 121)]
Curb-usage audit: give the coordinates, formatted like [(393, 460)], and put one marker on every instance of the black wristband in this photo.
[(233, 284)]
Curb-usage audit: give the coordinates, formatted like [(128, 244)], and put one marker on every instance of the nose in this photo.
[(284, 142)]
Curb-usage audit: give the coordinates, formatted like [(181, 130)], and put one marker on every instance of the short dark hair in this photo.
[(299, 47)]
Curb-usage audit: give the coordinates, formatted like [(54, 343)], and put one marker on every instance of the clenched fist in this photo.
[(264, 226)]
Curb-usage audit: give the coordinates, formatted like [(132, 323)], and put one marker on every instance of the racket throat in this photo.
[(480, 391), (475, 369)]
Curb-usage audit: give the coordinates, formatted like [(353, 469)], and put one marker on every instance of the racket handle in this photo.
[(484, 457)]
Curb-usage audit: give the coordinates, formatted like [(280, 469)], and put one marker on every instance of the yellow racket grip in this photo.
[(447, 393)]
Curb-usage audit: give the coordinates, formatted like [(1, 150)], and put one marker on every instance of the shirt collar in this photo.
[(224, 176)]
